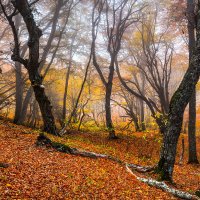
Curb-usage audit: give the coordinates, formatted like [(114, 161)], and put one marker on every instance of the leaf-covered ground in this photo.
[(40, 173)]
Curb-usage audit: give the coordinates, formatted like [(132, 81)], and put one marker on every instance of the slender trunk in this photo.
[(19, 92), (136, 124), (74, 111), (192, 104), (33, 114), (25, 106), (109, 123), (65, 95), (19, 79), (143, 127), (67, 81)]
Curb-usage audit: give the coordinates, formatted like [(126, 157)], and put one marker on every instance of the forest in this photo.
[(99, 99)]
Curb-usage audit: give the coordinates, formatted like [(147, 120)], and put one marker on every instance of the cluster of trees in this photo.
[(108, 53)]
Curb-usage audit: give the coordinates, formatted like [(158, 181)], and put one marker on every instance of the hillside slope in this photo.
[(39, 173)]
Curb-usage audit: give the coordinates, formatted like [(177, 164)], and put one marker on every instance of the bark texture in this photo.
[(192, 104), (178, 103), (32, 64)]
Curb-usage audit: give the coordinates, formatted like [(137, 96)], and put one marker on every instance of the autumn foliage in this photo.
[(40, 173)]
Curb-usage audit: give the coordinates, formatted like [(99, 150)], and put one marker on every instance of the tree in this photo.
[(119, 16), (150, 58), (51, 22), (32, 63), (178, 103), (192, 104)]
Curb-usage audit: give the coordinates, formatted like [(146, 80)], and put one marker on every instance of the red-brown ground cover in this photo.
[(40, 173)]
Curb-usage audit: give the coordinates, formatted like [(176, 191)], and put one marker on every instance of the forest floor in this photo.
[(41, 173)]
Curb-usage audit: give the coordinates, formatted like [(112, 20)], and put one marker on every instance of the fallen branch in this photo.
[(43, 140), (164, 186)]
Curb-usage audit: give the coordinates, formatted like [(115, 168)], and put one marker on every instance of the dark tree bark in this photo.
[(178, 104), (47, 48), (32, 64), (109, 123), (192, 104)]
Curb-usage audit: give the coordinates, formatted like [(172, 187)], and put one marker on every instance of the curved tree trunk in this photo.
[(192, 104), (32, 64), (177, 106)]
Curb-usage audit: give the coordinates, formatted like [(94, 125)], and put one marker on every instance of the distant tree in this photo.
[(150, 58), (118, 17)]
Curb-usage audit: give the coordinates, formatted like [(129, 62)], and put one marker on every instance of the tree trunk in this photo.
[(136, 124), (43, 59), (109, 123), (45, 108), (19, 92), (192, 104), (192, 130), (177, 106), (25, 106), (143, 127), (65, 95), (174, 124), (168, 151), (32, 65), (67, 81), (19, 79)]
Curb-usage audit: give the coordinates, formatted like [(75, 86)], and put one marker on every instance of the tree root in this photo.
[(141, 169), (163, 186), (43, 140)]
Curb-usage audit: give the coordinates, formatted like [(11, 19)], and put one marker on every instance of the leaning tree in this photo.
[(10, 10)]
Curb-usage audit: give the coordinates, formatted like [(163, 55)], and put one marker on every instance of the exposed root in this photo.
[(164, 186), (43, 140), (141, 169)]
